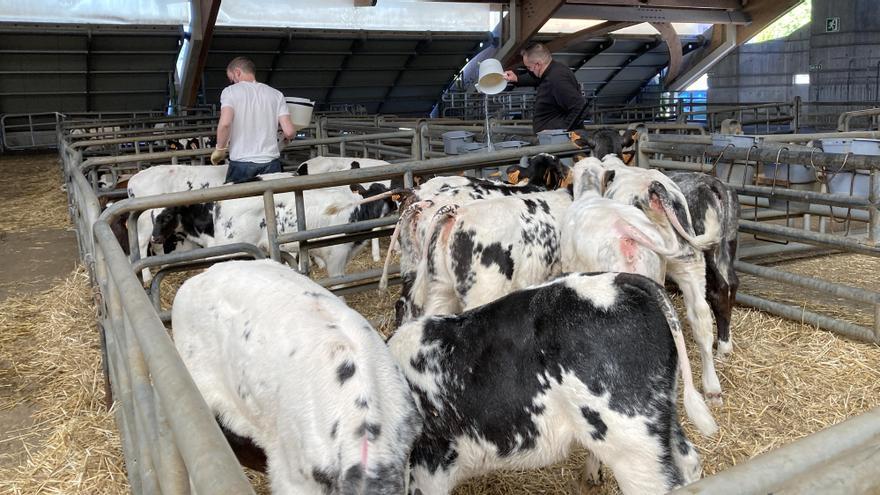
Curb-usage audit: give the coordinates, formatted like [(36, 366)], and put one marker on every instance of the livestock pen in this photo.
[(784, 379)]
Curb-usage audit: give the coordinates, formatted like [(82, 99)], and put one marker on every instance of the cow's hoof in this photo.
[(714, 399), (724, 349)]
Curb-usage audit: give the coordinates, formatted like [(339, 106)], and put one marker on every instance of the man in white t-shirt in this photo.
[(250, 113)]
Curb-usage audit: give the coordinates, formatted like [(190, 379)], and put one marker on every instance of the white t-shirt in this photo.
[(254, 133)]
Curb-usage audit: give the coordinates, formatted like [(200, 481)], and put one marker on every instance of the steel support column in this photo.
[(203, 17)]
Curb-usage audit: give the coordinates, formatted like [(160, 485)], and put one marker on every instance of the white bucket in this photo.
[(300, 110), (491, 80)]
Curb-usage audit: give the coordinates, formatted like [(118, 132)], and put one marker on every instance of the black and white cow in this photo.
[(480, 251), (326, 164), (602, 235), (708, 198), (285, 363), (244, 220), (163, 179), (664, 204), (594, 361), (604, 142), (418, 209)]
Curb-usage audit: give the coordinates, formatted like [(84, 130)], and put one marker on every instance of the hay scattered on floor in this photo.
[(784, 381), (852, 270), (32, 194), (52, 347)]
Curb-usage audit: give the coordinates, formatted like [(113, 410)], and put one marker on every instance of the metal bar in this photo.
[(874, 209), (796, 313), (810, 196), (272, 225), (374, 274), (805, 236), (346, 228), (768, 155), (852, 473), (846, 292), (301, 227), (176, 258), (754, 477), (211, 463), (300, 183)]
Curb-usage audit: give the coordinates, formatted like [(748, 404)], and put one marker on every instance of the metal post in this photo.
[(272, 225), (301, 227), (874, 208)]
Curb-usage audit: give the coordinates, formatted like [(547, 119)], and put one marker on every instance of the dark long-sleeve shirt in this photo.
[(558, 99)]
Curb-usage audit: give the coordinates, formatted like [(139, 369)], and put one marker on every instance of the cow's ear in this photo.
[(607, 179), (358, 189), (629, 138), (355, 165), (303, 169)]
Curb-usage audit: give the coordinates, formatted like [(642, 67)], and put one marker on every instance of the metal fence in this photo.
[(171, 441)]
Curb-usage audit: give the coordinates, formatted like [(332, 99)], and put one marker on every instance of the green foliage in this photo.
[(787, 24)]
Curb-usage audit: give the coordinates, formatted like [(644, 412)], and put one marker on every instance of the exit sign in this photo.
[(832, 24)]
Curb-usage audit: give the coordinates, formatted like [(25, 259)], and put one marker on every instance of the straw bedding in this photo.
[(783, 381), (50, 347), (31, 192)]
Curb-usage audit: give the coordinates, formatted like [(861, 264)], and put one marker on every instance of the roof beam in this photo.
[(420, 47), (597, 31), (282, 48), (645, 49), (667, 32), (353, 48), (690, 4), (530, 17), (726, 37), (763, 13), (651, 14), (202, 20)]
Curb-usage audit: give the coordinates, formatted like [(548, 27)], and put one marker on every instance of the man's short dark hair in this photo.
[(536, 51), (243, 63)]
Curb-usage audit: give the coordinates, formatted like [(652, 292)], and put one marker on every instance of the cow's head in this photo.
[(543, 170), (374, 209), (591, 177), (165, 225), (603, 141)]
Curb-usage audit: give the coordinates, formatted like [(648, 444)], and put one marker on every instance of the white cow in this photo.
[(282, 361)]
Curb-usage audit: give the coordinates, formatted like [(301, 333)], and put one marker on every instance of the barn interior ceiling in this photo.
[(95, 67)]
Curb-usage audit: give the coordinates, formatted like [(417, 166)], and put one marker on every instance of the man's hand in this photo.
[(510, 75), (218, 155)]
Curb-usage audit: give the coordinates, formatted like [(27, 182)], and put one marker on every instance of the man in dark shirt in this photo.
[(558, 101)]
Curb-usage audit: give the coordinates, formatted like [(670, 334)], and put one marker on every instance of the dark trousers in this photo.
[(246, 171)]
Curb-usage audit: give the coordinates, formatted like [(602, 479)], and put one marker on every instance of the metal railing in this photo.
[(170, 438), (775, 197)]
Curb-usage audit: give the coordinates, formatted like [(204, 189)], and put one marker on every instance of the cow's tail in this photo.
[(694, 405), (437, 235), (630, 231), (383, 280), (680, 221), (358, 431)]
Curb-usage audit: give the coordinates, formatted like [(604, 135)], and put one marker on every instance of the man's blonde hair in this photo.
[(243, 63)]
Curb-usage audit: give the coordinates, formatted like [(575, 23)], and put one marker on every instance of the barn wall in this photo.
[(843, 66)]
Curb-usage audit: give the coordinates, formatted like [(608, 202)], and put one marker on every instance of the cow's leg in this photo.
[(427, 481), (690, 276), (718, 294), (374, 245), (684, 454), (725, 344), (592, 473), (639, 460), (145, 233)]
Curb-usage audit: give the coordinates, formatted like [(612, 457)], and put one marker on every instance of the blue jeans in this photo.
[(246, 171)]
